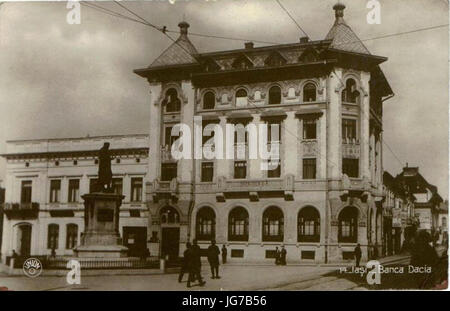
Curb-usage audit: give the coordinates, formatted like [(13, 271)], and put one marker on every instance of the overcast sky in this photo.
[(60, 80)]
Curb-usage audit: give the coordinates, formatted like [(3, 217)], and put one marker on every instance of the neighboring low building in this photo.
[(2, 200), (426, 203), (398, 215), (443, 223), (45, 180)]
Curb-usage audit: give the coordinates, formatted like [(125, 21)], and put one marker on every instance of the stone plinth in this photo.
[(101, 237)]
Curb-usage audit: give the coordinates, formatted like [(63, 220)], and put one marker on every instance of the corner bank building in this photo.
[(323, 198), (326, 194)]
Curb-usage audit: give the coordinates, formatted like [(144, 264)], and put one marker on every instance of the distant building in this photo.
[(427, 199), (443, 223), (2, 200), (398, 214), (45, 180)]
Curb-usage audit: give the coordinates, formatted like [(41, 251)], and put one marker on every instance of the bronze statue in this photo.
[(104, 169)]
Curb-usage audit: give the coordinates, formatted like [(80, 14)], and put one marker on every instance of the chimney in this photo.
[(249, 45), (304, 39), (183, 27), (339, 10)]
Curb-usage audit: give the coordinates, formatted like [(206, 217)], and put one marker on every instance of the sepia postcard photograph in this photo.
[(224, 146)]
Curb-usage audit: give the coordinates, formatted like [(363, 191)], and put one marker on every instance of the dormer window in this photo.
[(211, 65), (275, 59), (274, 95), (209, 100), (308, 56), (241, 98), (172, 102), (309, 93), (242, 63), (350, 94)]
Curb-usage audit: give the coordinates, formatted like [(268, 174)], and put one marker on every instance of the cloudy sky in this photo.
[(60, 80)]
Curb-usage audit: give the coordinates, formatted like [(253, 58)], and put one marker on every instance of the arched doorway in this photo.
[(170, 232), (23, 239)]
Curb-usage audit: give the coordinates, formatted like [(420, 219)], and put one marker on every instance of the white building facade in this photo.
[(45, 181)]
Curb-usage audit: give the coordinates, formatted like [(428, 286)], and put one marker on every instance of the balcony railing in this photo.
[(21, 210)]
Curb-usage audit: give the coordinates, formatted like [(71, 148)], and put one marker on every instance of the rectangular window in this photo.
[(71, 236), (274, 173), (348, 129), (237, 253), (92, 184), (308, 254), (55, 189), (240, 169), (168, 171), (53, 236), (168, 138), (309, 168), (205, 138), (207, 171), (273, 131), (117, 185), (350, 167), (136, 189), (74, 190), (309, 129), (25, 194)]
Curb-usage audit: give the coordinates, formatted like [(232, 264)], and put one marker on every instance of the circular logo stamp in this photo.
[(32, 267)]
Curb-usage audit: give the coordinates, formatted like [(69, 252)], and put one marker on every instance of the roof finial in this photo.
[(339, 10), (183, 27)]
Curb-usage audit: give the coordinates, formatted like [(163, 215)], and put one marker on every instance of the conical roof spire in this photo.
[(342, 36), (181, 52)]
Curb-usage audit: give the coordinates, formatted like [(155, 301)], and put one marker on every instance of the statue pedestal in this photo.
[(101, 237)]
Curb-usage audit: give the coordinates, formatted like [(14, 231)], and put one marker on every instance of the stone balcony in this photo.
[(21, 210), (351, 148), (251, 188), (164, 189)]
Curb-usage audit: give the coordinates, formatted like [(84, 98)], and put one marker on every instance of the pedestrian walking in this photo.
[(195, 265), (283, 256), (224, 254), (277, 256), (213, 259), (357, 253), (185, 263)]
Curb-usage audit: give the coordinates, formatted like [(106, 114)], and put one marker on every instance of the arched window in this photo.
[(169, 215), (309, 92), (238, 224), (350, 94), (273, 223), (348, 225), (173, 103), (308, 225), (241, 98), (71, 236), (53, 236), (209, 100), (205, 224), (274, 95)]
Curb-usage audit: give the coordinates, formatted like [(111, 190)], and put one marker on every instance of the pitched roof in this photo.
[(342, 36), (178, 53)]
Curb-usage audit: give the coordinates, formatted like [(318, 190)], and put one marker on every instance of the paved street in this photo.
[(234, 277)]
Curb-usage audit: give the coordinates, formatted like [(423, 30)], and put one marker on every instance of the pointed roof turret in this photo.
[(179, 53), (342, 36)]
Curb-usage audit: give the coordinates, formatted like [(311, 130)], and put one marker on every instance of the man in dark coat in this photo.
[(357, 253), (195, 264), (104, 168), (213, 259), (277, 256), (185, 263), (224, 254), (283, 256)]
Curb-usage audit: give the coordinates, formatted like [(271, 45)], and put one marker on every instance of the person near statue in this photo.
[(213, 259), (224, 254)]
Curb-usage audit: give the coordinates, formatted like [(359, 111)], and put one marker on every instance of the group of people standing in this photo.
[(280, 256), (192, 264)]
